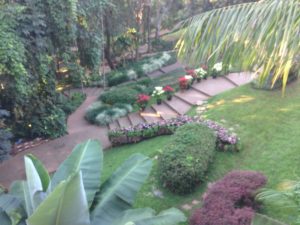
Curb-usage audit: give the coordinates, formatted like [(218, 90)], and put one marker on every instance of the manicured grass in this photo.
[(268, 126)]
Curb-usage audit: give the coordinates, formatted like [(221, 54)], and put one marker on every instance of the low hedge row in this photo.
[(226, 140), (139, 69), (185, 160), (230, 200)]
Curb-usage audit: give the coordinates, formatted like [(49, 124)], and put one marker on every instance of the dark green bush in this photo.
[(186, 158), (120, 95), (116, 78), (70, 103)]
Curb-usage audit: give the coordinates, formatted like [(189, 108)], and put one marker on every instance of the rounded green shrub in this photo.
[(185, 160), (120, 95)]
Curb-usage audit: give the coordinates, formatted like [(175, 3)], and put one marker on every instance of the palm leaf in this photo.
[(87, 158), (265, 220), (4, 218), (66, 205), (147, 217), (259, 36), (117, 194), (11, 208)]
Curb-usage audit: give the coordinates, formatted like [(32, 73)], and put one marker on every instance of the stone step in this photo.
[(191, 96), (165, 111), (170, 68), (135, 119), (214, 86), (124, 122), (114, 125), (196, 88), (241, 78), (150, 115), (178, 105)]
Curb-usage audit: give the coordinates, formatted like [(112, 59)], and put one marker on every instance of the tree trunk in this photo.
[(107, 49)]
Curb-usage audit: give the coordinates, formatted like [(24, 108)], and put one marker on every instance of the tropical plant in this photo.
[(75, 195), (260, 36), (286, 197)]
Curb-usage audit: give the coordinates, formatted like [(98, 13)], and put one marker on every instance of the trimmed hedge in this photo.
[(185, 160), (126, 95), (230, 200)]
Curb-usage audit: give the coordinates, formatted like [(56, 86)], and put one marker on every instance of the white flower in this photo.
[(218, 67), (158, 88), (200, 71), (188, 77), (158, 91)]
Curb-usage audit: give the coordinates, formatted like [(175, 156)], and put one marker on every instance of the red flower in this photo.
[(168, 89), (142, 99), (183, 82)]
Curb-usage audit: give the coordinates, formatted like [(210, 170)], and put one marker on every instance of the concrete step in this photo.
[(135, 119), (241, 78), (124, 122), (170, 68), (191, 96), (214, 86), (150, 115), (178, 105), (114, 125), (165, 111)]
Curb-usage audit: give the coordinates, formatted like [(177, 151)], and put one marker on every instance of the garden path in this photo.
[(55, 151)]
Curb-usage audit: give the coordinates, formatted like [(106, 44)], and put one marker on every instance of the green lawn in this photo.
[(268, 126)]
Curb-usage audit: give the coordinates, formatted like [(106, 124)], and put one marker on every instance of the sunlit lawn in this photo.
[(269, 128)]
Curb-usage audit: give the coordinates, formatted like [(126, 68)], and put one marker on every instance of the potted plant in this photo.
[(217, 69), (191, 73), (183, 83), (169, 92), (189, 79), (201, 74), (157, 94), (142, 101)]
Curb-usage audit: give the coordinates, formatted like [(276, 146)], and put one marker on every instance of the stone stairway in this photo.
[(183, 101)]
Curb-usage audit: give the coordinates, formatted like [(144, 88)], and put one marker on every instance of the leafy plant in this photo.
[(256, 36), (76, 196), (121, 95), (185, 160), (5, 136), (230, 200)]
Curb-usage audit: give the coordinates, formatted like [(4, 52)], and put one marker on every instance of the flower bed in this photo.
[(226, 140)]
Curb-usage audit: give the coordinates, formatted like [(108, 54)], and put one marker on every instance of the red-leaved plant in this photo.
[(142, 100), (230, 200), (183, 83), (168, 89)]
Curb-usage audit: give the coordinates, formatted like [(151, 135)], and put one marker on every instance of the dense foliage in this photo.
[(37, 40), (76, 193), (5, 136), (186, 158), (230, 200)]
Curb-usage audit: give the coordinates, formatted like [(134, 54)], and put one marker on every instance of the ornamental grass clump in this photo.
[(230, 200), (185, 160)]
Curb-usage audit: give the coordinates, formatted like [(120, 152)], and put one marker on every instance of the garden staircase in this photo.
[(182, 102)]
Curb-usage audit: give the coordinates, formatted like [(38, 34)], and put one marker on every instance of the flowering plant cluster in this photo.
[(183, 83), (230, 200), (218, 67), (168, 89), (201, 73), (158, 92), (225, 139), (142, 100), (192, 73), (144, 131)]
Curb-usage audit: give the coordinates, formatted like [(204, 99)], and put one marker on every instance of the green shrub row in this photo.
[(139, 69), (103, 114), (185, 160)]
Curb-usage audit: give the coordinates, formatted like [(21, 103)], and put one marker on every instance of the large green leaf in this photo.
[(41, 170), (265, 220), (118, 193), (66, 205), (87, 158), (147, 217), (4, 219), (32, 186), (12, 208)]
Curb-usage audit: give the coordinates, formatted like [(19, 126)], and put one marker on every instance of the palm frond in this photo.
[(259, 36)]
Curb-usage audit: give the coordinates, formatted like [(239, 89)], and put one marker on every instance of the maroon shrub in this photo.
[(230, 201)]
